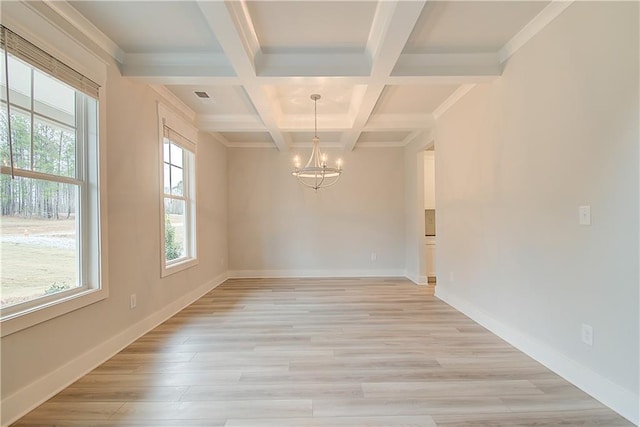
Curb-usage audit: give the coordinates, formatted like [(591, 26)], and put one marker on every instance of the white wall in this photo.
[(429, 180), (414, 249), (34, 359), (515, 159), (279, 227)]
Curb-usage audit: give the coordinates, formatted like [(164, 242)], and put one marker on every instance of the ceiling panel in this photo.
[(227, 100), (469, 26), (151, 26), (335, 98), (383, 137), (247, 137), (285, 26), (412, 99), (307, 137)]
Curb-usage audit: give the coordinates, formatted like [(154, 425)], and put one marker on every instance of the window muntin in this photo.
[(45, 214), (178, 204)]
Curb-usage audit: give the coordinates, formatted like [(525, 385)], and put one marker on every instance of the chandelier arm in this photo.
[(318, 185), (332, 182)]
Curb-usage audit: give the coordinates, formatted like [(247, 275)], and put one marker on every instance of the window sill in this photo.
[(31, 316), (170, 269)]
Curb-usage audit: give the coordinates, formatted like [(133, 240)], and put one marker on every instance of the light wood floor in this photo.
[(341, 352)]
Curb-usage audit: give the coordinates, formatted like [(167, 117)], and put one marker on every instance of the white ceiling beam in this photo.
[(456, 96), (392, 26), (381, 144), (244, 26), (187, 80), (230, 123), (533, 27), (317, 64), (155, 77), (176, 64), (448, 64), (439, 80), (250, 145), (304, 122), (230, 29), (394, 22), (408, 122)]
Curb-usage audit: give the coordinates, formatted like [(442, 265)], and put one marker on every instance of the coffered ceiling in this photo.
[(384, 69)]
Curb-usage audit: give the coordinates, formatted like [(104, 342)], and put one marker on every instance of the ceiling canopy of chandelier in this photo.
[(316, 174)]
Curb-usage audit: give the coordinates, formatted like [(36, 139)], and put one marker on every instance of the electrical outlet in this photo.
[(132, 301), (374, 256), (587, 334)]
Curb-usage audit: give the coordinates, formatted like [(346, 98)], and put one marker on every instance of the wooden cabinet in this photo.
[(430, 251)]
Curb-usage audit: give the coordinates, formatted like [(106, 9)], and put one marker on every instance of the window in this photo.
[(49, 231), (178, 205)]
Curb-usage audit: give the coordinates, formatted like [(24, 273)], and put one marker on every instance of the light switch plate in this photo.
[(587, 334), (584, 215)]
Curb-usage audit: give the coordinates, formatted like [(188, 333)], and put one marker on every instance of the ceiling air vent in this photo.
[(202, 95)]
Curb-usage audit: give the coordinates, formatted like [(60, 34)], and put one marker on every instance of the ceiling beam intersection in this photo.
[(233, 29), (392, 26)]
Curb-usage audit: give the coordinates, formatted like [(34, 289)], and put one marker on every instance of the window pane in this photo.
[(53, 99), (174, 229), (38, 239), (54, 149), (176, 155), (176, 180), (21, 130), (165, 150), (19, 82)]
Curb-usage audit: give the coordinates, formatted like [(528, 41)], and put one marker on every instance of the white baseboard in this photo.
[(29, 397), (275, 274), (625, 402), (418, 280)]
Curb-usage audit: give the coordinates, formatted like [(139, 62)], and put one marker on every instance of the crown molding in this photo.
[(175, 102), (86, 27)]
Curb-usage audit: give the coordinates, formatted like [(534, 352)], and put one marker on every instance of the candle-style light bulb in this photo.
[(296, 162), (339, 164)]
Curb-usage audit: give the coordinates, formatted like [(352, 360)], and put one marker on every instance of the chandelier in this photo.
[(316, 174)]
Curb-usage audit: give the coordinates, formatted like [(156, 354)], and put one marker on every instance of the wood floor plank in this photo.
[(564, 418), (321, 352), (377, 421), (120, 394), (434, 389), (212, 410)]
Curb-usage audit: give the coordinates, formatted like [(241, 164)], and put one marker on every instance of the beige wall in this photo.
[(134, 241), (277, 226), (515, 159), (429, 180), (414, 249)]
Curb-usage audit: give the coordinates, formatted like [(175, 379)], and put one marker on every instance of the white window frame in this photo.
[(179, 132), (90, 179)]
